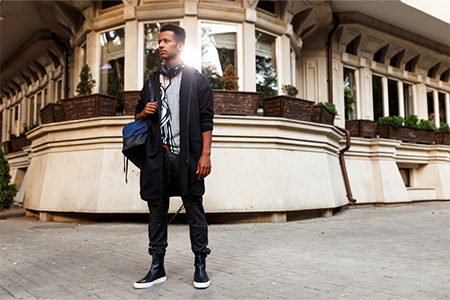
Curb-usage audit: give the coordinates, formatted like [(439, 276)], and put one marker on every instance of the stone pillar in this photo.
[(284, 62), (437, 117), (92, 59), (422, 107), (192, 54), (447, 106), (401, 100), (249, 50), (385, 96), (131, 49), (365, 110)]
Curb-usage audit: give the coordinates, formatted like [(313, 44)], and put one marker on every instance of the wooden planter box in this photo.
[(288, 107), (129, 101), (389, 132), (321, 114), (236, 102), (20, 142), (442, 138), (53, 112), (7, 147), (95, 105), (410, 135), (362, 128), (425, 136)]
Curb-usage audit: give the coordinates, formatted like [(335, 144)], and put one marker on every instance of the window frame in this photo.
[(277, 57), (357, 103), (400, 92), (99, 55), (239, 48), (140, 44)]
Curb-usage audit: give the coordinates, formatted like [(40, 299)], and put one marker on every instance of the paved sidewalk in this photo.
[(395, 252)]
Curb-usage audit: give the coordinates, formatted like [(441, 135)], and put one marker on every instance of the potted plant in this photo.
[(7, 191), (425, 132), (442, 135), (52, 112), (288, 105), (410, 131), (390, 127), (21, 141), (129, 101), (362, 128), (324, 113), (231, 101), (86, 104)]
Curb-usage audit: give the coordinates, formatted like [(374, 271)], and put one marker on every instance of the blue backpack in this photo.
[(135, 136)]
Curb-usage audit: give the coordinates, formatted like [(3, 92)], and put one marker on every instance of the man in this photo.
[(178, 103)]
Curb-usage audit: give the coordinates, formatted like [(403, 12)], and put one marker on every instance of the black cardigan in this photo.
[(196, 117)]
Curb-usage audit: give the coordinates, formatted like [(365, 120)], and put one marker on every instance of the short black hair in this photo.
[(179, 31)]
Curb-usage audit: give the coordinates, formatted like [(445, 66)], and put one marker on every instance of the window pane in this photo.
[(266, 74), (218, 51), (430, 103), (407, 96), (442, 110), (112, 62), (393, 98), (377, 90), (350, 94)]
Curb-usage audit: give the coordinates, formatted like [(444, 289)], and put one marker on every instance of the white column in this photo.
[(248, 37), (437, 117), (131, 55), (365, 110), (284, 62), (92, 59), (401, 99), (447, 108), (384, 81), (421, 100)]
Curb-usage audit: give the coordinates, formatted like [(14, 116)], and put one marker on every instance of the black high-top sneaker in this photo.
[(156, 275), (201, 279)]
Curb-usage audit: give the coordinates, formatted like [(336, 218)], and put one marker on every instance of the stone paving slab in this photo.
[(394, 252)]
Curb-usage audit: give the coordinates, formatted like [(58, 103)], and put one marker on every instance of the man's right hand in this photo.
[(150, 109)]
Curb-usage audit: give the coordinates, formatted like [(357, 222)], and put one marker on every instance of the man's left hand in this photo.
[(203, 167)]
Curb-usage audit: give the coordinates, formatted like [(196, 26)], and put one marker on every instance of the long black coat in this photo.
[(196, 117)]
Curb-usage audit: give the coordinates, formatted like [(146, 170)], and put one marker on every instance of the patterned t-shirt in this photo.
[(170, 111)]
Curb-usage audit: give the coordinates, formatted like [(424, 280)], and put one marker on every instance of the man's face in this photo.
[(168, 45)]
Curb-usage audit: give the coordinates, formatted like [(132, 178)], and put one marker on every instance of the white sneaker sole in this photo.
[(202, 285), (149, 284)]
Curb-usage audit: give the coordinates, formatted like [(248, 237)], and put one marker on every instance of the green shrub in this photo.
[(330, 106), (395, 121), (289, 90), (444, 128), (412, 121), (425, 124), (7, 191)]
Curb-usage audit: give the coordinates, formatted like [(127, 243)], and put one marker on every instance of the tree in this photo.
[(7, 190), (86, 83), (229, 79)]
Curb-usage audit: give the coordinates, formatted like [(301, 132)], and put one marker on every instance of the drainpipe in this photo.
[(342, 163), (330, 99), (66, 65)]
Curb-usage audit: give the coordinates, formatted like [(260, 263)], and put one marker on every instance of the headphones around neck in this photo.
[(171, 72)]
